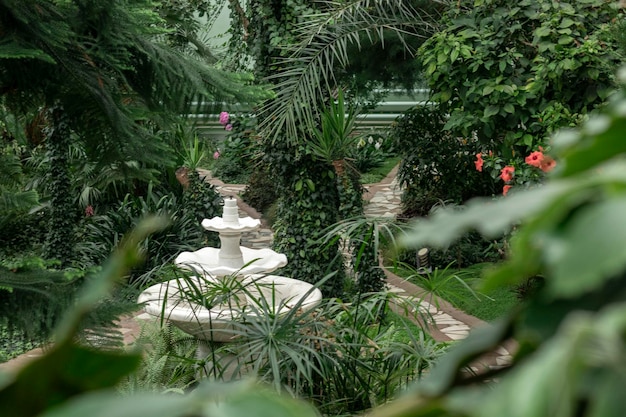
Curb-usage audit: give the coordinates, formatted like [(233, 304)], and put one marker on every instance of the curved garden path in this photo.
[(446, 323)]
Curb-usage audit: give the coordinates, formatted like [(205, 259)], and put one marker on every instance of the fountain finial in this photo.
[(230, 213)]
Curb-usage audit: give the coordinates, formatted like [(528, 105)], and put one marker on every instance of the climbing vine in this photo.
[(62, 212), (308, 204)]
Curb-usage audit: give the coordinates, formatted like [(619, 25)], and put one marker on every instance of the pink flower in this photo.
[(216, 154), (506, 189), (535, 159), (479, 162), (228, 127), (89, 211), (506, 173), (224, 118)]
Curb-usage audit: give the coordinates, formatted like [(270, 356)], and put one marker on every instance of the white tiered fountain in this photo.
[(231, 258), (241, 271)]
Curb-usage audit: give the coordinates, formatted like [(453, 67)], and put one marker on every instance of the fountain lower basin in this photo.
[(225, 323)]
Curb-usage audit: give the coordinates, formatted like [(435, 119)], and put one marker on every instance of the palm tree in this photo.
[(304, 69), (309, 68)]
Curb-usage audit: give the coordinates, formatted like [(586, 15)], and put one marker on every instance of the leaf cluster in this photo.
[(516, 74), (309, 64), (437, 166)]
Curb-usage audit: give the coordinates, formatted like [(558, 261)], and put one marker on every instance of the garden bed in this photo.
[(457, 286)]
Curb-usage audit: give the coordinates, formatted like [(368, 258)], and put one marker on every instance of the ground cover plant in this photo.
[(459, 288)]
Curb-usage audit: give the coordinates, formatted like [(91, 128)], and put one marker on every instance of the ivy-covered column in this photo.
[(308, 204), (59, 241), (308, 199)]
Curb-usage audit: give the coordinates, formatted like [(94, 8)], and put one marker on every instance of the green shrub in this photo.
[(436, 166), (102, 233), (237, 152), (261, 190), (512, 76)]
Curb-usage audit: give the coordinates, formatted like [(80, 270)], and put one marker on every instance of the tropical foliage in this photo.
[(570, 360), (437, 166), (512, 76), (308, 65), (89, 94), (568, 232)]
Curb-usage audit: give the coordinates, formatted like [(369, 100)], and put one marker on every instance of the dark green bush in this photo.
[(237, 152), (436, 166), (308, 204), (261, 190), (103, 232)]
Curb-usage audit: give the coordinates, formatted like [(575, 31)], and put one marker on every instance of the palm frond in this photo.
[(309, 70)]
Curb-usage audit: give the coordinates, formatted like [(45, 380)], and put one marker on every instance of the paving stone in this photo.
[(502, 351), (451, 322), (444, 316), (395, 290), (504, 360), (454, 336), (460, 327)]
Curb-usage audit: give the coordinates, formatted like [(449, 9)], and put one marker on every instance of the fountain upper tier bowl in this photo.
[(225, 322)]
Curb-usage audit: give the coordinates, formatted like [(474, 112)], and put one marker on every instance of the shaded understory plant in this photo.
[(345, 358), (103, 232), (436, 165)]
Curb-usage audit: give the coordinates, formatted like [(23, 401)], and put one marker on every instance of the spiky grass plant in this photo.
[(345, 357)]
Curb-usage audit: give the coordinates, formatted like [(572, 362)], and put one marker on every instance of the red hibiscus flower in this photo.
[(506, 173), (506, 189), (535, 159), (479, 162), (547, 164)]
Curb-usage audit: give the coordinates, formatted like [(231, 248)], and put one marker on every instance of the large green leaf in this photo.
[(62, 373), (69, 370), (591, 249), (491, 217), (562, 375), (480, 341), (600, 139), (243, 399), (109, 403)]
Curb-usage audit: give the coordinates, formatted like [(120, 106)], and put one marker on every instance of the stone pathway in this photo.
[(444, 322)]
